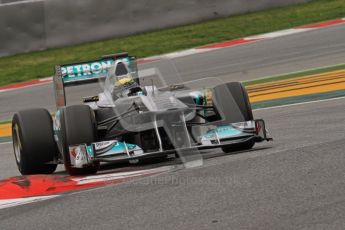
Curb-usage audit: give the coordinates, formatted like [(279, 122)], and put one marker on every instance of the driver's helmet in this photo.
[(125, 81), (127, 85)]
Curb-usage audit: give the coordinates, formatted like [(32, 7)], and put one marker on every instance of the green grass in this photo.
[(4, 122), (41, 64), (5, 139)]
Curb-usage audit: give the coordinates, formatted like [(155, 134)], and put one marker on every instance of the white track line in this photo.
[(46, 79), (120, 175), (280, 33), (301, 103), (20, 2), (20, 201), (188, 52), (5, 143)]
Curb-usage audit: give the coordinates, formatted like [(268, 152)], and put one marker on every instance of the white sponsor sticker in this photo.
[(78, 156), (103, 144)]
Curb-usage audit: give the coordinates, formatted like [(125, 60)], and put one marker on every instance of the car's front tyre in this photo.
[(241, 98), (78, 126)]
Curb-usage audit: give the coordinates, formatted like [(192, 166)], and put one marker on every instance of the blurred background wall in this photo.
[(29, 25)]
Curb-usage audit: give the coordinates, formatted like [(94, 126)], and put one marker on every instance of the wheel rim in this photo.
[(16, 143)]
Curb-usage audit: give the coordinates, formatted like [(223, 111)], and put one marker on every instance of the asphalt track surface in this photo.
[(296, 182)]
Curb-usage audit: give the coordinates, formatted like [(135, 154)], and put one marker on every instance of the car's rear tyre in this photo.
[(78, 126), (240, 95), (33, 142)]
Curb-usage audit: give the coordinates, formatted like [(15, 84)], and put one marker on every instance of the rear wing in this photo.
[(85, 73)]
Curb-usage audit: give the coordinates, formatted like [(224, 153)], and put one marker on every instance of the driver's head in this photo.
[(125, 81)]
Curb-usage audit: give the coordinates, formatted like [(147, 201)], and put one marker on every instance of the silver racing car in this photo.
[(135, 115)]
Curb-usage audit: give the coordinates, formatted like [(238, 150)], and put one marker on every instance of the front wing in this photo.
[(117, 151)]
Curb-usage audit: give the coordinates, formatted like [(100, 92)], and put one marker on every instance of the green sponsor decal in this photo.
[(88, 70)]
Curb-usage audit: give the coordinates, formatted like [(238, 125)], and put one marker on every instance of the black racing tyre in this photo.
[(78, 126), (240, 95), (33, 142)]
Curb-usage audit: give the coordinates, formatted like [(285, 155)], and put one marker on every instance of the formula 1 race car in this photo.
[(132, 118)]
